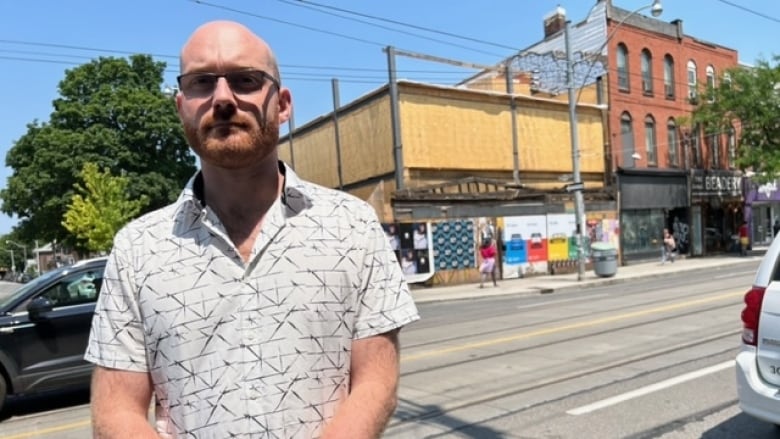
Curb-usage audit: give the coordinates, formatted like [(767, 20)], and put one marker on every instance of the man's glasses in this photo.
[(241, 82)]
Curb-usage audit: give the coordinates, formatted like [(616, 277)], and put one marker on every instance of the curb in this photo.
[(573, 286)]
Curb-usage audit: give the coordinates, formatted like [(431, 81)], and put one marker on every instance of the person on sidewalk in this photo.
[(743, 239), (488, 266), (668, 247)]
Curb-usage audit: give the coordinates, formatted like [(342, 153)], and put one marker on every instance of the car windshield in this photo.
[(9, 295)]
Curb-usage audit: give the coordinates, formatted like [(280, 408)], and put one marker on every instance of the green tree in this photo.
[(100, 208), (747, 100), (110, 112)]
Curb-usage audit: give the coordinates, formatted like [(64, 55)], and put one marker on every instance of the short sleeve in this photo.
[(116, 338), (384, 302)]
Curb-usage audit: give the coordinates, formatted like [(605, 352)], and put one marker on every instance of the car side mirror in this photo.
[(38, 308)]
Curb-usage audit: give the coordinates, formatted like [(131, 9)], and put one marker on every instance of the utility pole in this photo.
[(579, 204)]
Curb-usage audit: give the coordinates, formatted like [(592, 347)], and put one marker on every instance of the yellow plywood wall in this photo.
[(367, 141), (366, 144), (439, 131)]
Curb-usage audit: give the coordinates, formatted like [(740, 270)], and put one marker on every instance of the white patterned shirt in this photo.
[(258, 349)]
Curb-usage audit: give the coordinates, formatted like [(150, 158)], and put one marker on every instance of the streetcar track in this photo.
[(444, 408), (563, 319), (552, 304), (562, 341)]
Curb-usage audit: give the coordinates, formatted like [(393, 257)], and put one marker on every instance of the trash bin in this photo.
[(605, 259)]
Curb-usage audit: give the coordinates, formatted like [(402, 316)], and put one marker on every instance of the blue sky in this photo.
[(34, 36)]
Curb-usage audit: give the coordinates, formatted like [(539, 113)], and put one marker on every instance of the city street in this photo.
[(648, 358)]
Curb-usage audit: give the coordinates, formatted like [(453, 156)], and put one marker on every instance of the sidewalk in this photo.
[(563, 282)]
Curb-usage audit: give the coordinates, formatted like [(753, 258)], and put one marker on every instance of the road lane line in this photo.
[(46, 431), (617, 399), (555, 302), (569, 327)]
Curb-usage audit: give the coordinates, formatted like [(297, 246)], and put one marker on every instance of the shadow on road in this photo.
[(742, 426), (410, 412), (43, 402)]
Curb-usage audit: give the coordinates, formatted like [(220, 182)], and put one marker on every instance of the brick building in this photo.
[(649, 74)]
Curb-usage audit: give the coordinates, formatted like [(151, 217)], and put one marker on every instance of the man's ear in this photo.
[(285, 105)]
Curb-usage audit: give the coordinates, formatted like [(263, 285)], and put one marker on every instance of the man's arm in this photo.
[(373, 389), (120, 404)]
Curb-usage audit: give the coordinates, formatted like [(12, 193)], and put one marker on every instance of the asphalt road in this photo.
[(646, 359)]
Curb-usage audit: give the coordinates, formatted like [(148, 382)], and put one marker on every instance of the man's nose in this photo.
[(223, 94)]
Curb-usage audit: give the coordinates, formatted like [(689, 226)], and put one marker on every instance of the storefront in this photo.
[(762, 209), (716, 210), (651, 200)]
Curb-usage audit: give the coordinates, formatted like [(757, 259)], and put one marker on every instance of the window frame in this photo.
[(669, 91), (623, 71), (651, 141)]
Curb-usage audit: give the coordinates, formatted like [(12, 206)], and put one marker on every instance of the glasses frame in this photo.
[(225, 75)]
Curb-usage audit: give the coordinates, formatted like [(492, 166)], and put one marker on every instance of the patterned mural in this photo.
[(453, 244)]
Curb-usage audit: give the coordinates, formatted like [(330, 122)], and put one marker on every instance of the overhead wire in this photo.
[(289, 23), (300, 4), (751, 11), (409, 25)]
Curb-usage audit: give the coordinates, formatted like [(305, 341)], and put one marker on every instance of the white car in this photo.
[(758, 361)]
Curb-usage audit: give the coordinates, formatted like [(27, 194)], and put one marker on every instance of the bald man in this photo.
[(258, 304)]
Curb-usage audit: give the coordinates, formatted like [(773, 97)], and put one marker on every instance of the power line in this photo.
[(91, 49), (122, 52), (751, 11), (299, 4), (289, 23), (400, 23)]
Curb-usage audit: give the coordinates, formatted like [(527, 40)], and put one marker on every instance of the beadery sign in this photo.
[(716, 183)]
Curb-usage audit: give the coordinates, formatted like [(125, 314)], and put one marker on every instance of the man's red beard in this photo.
[(239, 143)]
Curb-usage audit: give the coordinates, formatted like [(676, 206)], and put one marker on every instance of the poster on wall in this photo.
[(411, 244), (562, 238), (453, 245), (525, 245)]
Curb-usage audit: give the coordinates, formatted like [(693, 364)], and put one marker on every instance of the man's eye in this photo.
[(202, 80), (245, 81)]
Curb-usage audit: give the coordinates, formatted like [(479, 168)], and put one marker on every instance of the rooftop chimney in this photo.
[(554, 22)]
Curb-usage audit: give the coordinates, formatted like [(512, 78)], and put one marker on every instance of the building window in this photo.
[(713, 146), (627, 140), (669, 77), (692, 82), (622, 67), (651, 147), (710, 83), (671, 133), (696, 146), (732, 139), (647, 72), (726, 80)]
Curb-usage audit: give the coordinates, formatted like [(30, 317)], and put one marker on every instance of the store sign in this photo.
[(768, 189), (716, 184)]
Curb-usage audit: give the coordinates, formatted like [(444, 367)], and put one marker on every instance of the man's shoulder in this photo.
[(162, 217)]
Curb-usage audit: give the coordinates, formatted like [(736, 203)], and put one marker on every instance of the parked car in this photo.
[(44, 329), (758, 361)]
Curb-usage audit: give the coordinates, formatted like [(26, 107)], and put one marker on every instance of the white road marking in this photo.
[(576, 299), (598, 405), (741, 273)]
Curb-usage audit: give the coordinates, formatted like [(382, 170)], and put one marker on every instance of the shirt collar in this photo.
[(295, 194)]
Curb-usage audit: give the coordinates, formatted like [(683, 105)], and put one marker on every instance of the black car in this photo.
[(44, 328)]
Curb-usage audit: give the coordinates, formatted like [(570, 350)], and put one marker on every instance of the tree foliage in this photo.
[(100, 208), (110, 112), (747, 100)]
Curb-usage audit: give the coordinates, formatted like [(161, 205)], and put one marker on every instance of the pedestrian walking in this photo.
[(488, 267), (744, 241), (258, 304), (668, 247)]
